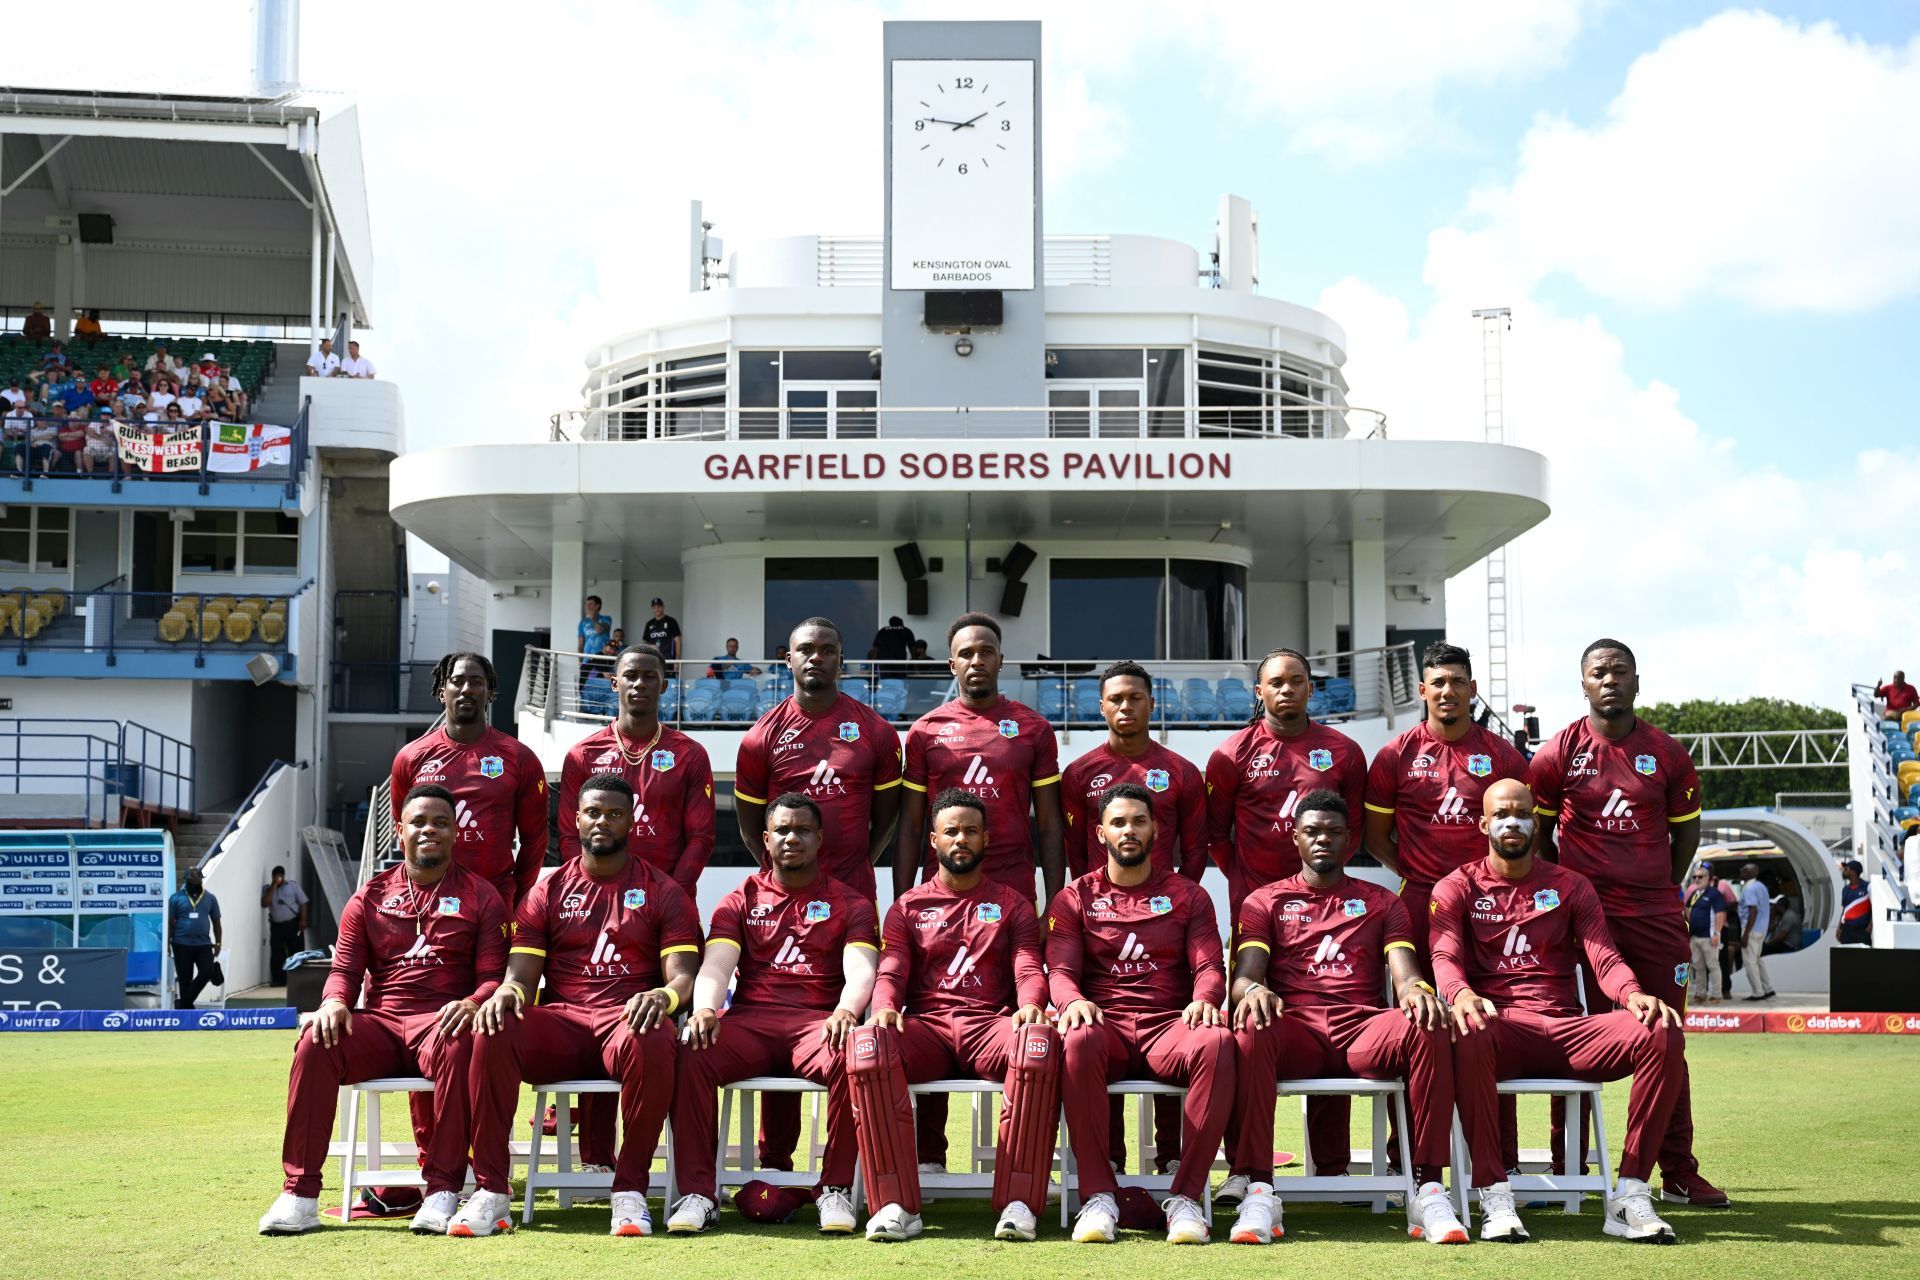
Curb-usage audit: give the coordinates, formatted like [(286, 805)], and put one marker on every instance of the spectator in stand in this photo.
[(1900, 696), (589, 637), (101, 434), (190, 402), (71, 435), (617, 640), (323, 363), (1856, 907), (37, 327), (56, 357), (13, 438), (662, 630), (893, 642), (74, 396), (1706, 917), (730, 665), (162, 394), (12, 393), (132, 400), (195, 935), (87, 328), (219, 404), (286, 904), (356, 365), (104, 385), (43, 440), (160, 361), (1756, 912)]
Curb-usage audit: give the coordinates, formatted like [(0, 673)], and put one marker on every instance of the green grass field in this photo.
[(154, 1155)]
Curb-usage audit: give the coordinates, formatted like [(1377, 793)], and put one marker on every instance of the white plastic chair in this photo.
[(564, 1179), (1564, 1184)]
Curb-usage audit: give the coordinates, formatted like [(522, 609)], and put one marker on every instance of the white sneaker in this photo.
[(1099, 1218), (892, 1224), (1259, 1220), (1186, 1221), (1434, 1218), (931, 1168), (1016, 1223), (692, 1215), (291, 1215), (1499, 1220), (1173, 1168), (484, 1213), (836, 1211), (1233, 1190), (630, 1216), (1630, 1214), (436, 1214)]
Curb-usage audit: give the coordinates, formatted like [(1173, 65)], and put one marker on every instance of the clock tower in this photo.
[(963, 309)]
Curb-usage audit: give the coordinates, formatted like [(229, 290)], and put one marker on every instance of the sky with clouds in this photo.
[(1703, 218)]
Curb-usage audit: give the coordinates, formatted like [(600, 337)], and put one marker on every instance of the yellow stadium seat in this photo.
[(273, 628), (58, 597), (31, 620), (1906, 824), (1908, 772), (9, 616), (239, 626), (173, 626), (225, 602), (1908, 718), (48, 610), (211, 625), (256, 603)]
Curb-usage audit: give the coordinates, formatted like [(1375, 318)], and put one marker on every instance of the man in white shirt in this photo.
[(1756, 910), (323, 363), (356, 365), (160, 361), (162, 396), (190, 402)]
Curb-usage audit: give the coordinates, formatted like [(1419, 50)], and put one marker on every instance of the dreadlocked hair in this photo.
[(1259, 708), (443, 671)]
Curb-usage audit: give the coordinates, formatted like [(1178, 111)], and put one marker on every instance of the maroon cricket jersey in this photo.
[(499, 789), (1517, 941), (1325, 946), (791, 943), (603, 940), (1254, 781), (1433, 789), (418, 947), (1153, 947), (1179, 806), (672, 785), (838, 759), (1615, 803), (1001, 755), (973, 952)]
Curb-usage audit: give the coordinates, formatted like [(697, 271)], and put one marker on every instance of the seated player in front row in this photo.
[(1507, 933), (618, 943), (428, 938), (1136, 970), (1312, 955), (963, 961), (804, 949)]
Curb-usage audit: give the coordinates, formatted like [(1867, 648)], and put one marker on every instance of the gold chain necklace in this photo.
[(635, 757)]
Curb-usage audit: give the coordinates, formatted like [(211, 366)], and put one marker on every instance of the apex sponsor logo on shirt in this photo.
[(1283, 820), (824, 781), (466, 823), (1329, 960), (1451, 811), (1516, 952), (606, 960), (421, 955), (1617, 814), (790, 958), (960, 972), (979, 780), (1133, 959)]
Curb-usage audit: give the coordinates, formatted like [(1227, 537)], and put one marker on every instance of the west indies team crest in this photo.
[(1158, 780), (1354, 906), (1159, 905), (492, 766), (987, 913), (449, 906), (1320, 758), (1479, 766), (819, 910), (634, 899), (1009, 729), (1546, 900), (1645, 765), (849, 731), (662, 761)]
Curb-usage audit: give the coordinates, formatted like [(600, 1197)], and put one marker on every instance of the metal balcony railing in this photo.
[(112, 623), (92, 771), (195, 453)]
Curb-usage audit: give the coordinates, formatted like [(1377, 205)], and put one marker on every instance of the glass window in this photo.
[(16, 538), (210, 543), (1107, 608), (828, 366), (232, 542), (52, 538), (1206, 611), (844, 589), (1166, 387), (273, 542), (1094, 362), (759, 379), (1231, 410)]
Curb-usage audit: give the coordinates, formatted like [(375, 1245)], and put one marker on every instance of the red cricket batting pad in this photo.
[(883, 1118), (1029, 1119)]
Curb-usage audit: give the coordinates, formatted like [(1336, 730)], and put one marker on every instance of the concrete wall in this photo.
[(268, 838)]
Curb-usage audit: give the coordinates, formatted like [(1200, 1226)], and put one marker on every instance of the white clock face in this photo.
[(962, 171)]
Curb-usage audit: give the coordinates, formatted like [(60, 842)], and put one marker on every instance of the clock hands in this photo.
[(956, 125)]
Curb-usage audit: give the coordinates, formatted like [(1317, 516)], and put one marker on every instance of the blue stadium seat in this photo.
[(1086, 704), (1051, 699), (1340, 697), (597, 699), (1913, 795), (1200, 703), (700, 703), (890, 699), (1235, 703), (670, 702), (736, 701), (1907, 815)]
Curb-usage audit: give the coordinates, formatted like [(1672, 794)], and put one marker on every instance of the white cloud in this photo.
[(1749, 158)]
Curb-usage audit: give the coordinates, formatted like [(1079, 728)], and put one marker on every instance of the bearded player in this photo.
[(841, 754), (1622, 806), (961, 992), (1136, 970), (1312, 953), (427, 940), (618, 944), (1507, 932), (1002, 751), (804, 950), (1255, 779), (1130, 754), (673, 815)]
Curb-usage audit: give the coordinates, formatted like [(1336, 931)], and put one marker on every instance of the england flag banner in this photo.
[(239, 447), (144, 449)]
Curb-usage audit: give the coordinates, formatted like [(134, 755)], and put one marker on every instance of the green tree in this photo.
[(1742, 788)]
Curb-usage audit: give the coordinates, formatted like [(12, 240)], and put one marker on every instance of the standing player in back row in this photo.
[(1255, 779), (1002, 752), (1622, 806), (841, 754)]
